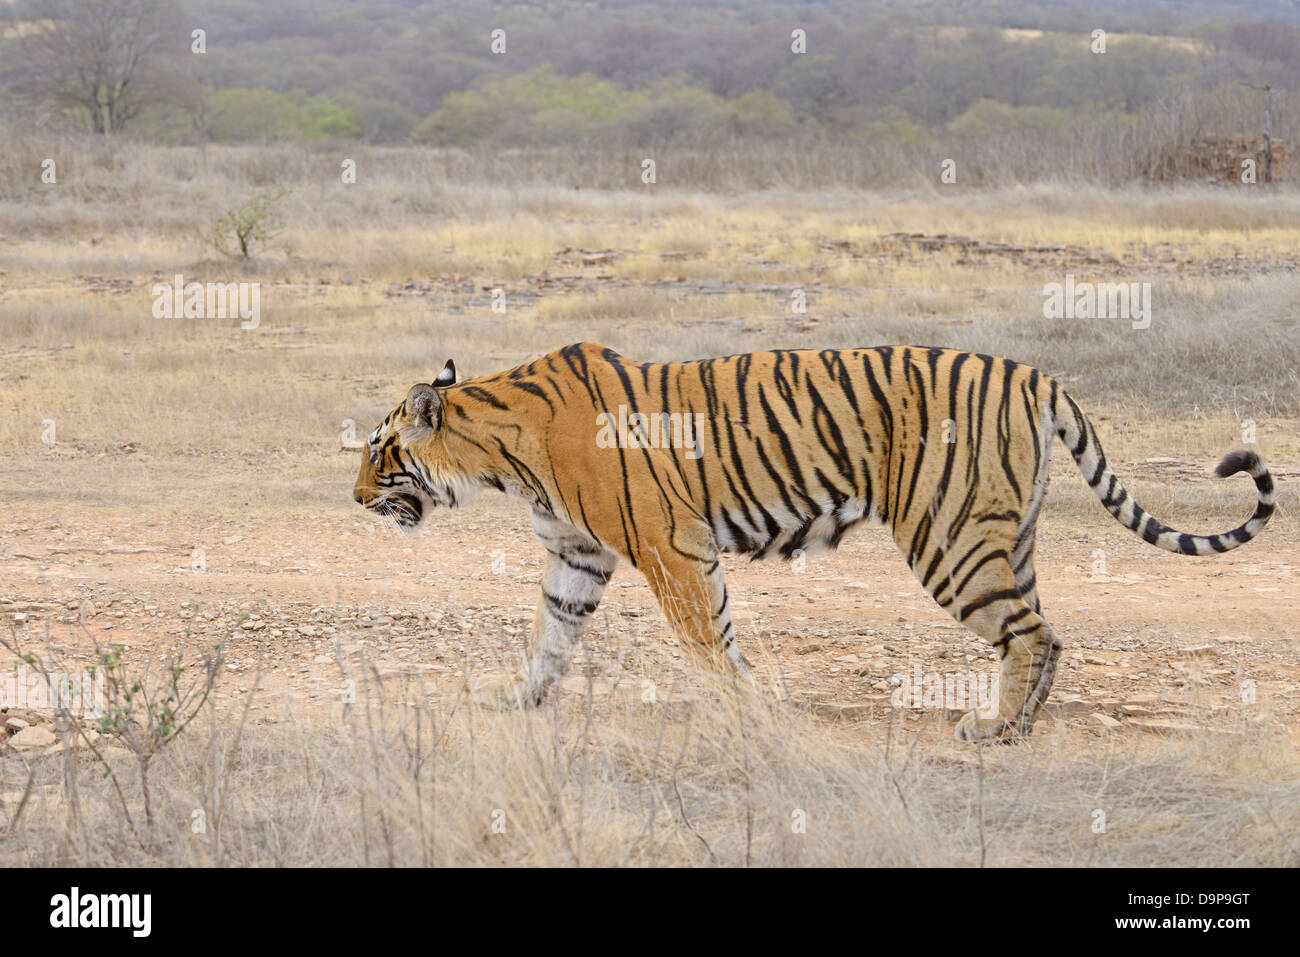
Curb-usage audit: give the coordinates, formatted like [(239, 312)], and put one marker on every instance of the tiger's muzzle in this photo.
[(403, 507)]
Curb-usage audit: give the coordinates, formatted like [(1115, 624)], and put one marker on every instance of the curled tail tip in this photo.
[(1241, 461)]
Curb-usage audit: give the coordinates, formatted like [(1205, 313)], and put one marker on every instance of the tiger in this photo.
[(667, 465)]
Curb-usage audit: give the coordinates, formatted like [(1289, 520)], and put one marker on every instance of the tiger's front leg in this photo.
[(685, 573), (577, 571)]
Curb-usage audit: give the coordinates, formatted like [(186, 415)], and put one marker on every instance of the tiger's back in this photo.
[(791, 449)]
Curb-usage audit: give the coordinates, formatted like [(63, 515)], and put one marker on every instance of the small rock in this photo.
[(1142, 699), (1105, 720), (576, 684), (844, 712), (1072, 706), (15, 724), (33, 737), (1179, 729)]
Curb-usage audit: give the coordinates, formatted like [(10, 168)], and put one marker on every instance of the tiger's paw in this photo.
[(501, 693), (975, 727)]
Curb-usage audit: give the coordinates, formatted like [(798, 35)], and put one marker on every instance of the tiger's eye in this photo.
[(374, 458)]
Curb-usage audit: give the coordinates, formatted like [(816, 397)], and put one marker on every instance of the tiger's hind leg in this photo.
[(577, 571), (1001, 605), (1022, 566)]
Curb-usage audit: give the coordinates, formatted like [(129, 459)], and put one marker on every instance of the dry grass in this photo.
[(201, 417), (412, 210), (188, 395), (715, 775)]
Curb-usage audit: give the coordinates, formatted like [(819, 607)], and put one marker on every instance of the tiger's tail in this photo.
[(1081, 439)]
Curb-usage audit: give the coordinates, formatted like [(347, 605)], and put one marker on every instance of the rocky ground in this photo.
[(305, 607)]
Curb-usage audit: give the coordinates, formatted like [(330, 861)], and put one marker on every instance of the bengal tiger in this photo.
[(664, 465)]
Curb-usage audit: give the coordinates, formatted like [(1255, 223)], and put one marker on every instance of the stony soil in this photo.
[(1156, 643)]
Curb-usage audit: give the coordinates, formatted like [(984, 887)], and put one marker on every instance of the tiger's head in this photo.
[(406, 467)]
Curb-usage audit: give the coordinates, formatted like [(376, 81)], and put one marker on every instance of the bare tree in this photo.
[(107, 58)]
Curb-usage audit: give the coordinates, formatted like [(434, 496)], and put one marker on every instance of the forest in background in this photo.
[(873, 71)]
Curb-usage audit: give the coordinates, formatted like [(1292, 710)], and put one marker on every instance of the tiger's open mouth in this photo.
[(406, 509)]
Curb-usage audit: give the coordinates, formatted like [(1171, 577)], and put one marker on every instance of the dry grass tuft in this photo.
[(714, 775)]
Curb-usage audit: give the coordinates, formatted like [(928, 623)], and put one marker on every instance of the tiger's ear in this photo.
[(423, 405), (446, 377)]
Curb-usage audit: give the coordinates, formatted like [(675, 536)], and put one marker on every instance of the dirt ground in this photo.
[(121, 531), (1156, 643)]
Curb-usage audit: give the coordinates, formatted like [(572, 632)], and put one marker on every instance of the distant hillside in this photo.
[(403, 70)]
